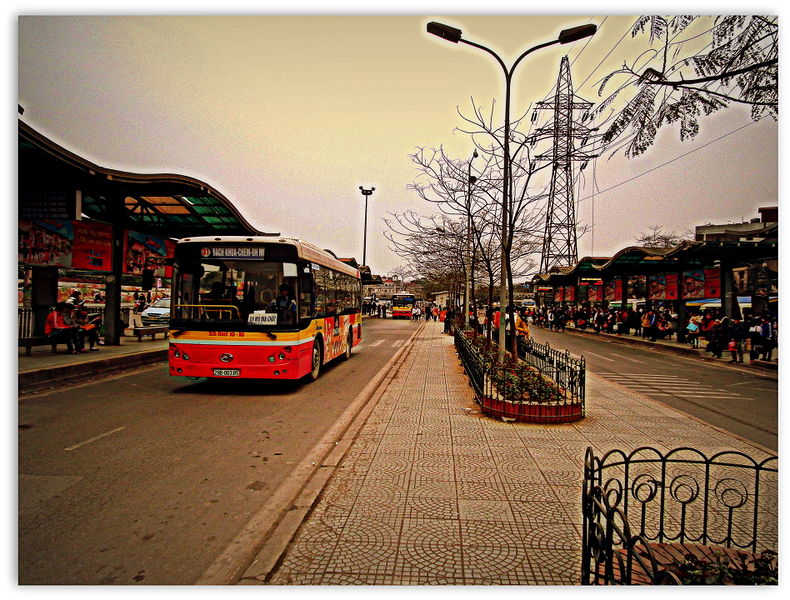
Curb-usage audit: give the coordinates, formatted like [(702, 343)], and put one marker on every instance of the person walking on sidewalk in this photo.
[(692, 329), (449, 315), (767, 334), (739, 334)]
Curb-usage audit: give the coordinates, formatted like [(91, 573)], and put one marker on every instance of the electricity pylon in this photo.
[(559, 238)]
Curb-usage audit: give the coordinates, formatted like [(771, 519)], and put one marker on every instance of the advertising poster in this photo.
[(672, 286), (558, 294), (144, 252), (45, 242), (712, 283), (618, 290), (92, 247), (593, 293), (657, 287), (608, 290), (693, 284), (636, 286), (570, 293)]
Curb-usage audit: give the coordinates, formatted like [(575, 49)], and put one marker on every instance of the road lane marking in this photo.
[(641, 362), (376, 343), (398, 344), (93, 439), (599, 356)]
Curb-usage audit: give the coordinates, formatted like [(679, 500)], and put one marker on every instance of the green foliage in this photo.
[(763, 570), (688, 79)]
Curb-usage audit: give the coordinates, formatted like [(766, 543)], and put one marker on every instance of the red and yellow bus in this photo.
[(258, 307), (402, 303)]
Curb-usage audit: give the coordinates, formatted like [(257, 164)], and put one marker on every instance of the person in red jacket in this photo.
[(60, 327)]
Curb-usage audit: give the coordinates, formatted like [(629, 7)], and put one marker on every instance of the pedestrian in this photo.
[(448, 320), (740, 334), (767, 335), (732, 348), (693, 331)]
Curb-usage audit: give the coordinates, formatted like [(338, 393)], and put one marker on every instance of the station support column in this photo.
[(113, 325)]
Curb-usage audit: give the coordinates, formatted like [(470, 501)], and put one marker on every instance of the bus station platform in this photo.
[(44, 370)]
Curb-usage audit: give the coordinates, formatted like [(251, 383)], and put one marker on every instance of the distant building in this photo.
[(764, 227)]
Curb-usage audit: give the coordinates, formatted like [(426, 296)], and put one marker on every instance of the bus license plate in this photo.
[(227, 372)]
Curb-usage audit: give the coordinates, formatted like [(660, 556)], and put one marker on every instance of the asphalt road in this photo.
[(145, 478), (742, 401)]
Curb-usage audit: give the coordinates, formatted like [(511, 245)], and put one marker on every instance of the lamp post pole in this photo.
[(365, 193), (451, 34), (470, 179)]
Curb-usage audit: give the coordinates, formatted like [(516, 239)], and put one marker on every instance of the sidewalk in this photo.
[(432, 492), (43, 369)]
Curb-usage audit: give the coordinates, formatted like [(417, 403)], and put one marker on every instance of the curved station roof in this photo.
[(163, 204), (640, 260)]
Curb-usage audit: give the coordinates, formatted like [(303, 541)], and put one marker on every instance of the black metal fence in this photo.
[(544, 386), (635, 504)]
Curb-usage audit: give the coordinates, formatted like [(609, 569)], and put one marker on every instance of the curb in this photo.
[(48, 378), (253, 554)]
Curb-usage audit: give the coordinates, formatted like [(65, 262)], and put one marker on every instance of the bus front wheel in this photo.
[(315, 363)]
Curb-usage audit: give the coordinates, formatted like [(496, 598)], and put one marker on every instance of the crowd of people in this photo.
[(756, 334)]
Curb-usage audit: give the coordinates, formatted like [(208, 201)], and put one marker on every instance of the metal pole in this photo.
[(469, 181), (365, 237), (365, 193)]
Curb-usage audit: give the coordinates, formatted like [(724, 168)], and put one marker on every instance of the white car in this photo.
[(158, 313)]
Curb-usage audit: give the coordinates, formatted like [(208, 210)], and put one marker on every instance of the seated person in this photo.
[(61, 328), (285, 305), (88, 324)]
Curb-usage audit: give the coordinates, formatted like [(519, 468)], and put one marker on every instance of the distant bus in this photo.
[(254, 307), (402, 303)]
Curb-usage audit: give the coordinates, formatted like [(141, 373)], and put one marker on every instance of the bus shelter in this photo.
[(76, 214), (677, 277)]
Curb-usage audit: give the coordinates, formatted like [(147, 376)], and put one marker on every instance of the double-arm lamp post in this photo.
[(566, 36)]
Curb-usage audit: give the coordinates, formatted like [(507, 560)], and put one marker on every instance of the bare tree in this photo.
[(656, 237), (686, 74)]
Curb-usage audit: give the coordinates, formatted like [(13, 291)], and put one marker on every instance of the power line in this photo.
[(599, 192)]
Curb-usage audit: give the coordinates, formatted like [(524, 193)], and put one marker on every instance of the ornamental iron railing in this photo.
[(544, 385), (636, 505)]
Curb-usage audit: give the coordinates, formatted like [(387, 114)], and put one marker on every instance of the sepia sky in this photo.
[(288, 115)]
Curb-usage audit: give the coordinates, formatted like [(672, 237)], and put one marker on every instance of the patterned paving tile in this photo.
[(433, 493)]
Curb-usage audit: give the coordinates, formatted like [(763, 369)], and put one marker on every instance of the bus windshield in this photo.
[(249, 293)]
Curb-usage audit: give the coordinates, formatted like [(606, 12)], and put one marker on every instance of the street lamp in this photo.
[(365, 193), (470, 179), (566, 36)]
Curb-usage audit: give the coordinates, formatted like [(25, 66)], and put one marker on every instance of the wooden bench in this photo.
[(151, 330), (39, 340)]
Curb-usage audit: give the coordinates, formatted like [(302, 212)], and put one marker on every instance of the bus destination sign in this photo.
[(232, 252)]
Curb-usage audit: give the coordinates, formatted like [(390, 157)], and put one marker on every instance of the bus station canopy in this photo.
[(161, 204), (639, 260)]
